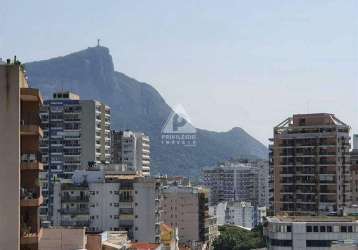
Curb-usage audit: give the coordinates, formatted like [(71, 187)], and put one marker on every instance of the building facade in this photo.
[(187, 209), (20, 159), (354, 170), (238, 182), (303, 232), (76, 133), (241, 214), (310, 165), (110, 200), (131, 149)]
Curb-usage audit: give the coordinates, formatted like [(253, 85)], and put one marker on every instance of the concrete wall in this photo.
[(144, 212), (62, 239), (88, 132), (10, 157)]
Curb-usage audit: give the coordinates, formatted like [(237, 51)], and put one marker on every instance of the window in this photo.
[(318, 243), (285, 243), (289, 229), (322, 229), (343, 229), (329, 229), (315, 228), (308, 229), (350, 229)]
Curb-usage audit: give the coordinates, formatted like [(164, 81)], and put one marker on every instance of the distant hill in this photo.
[(139, 107)]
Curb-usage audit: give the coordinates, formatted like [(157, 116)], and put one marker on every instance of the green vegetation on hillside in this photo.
[(235, 238)]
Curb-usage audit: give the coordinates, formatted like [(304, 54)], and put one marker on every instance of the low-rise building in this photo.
[(303, 232)]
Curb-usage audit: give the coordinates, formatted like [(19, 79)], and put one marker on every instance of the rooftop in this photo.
[(278, 219)]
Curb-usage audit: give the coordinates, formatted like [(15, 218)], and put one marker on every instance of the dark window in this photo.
[(315, 228), (350, 229), (343, 229), (289, 229), (318, 243), (322, 229), (308, 229), (283, 243), (329, 229)]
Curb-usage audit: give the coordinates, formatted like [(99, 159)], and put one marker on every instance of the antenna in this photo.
[(98, 42)]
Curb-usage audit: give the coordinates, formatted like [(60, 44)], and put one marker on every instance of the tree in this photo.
[(235, 238)]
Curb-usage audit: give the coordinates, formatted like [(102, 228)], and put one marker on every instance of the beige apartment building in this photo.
[(20, 160), (310, 164), (186, 208)]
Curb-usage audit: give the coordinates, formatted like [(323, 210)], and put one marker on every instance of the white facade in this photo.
[(76, 133), (105, 200), (241, 214), (311, 233), (238, 182), (131, 149), (146, 211)]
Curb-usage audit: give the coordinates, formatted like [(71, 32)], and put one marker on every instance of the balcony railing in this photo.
[(74, 210), (31, 162), (31, 197), (68, 198)]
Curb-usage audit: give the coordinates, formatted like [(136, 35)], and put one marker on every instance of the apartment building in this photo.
[(237, 181), (20, 159), (236, 213), (310, 164), (354, 170), (187, 209), (110, 199), (76, 133), (309, 232), (132, 149)]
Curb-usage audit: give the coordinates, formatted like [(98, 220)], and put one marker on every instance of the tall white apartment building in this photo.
[(131, 149), (238, 182), (76, 133)]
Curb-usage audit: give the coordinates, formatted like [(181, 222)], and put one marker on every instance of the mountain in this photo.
[(139, 107)]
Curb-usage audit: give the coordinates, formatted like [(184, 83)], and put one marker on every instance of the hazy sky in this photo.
[(229, 63)]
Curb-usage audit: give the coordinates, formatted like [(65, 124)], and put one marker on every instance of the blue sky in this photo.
[(229, 63)]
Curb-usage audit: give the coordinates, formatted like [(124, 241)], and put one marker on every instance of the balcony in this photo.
[(31, 130), (68, 198), (31, 202), (30, 94), (30, 197), (74, 210), (31, 162)]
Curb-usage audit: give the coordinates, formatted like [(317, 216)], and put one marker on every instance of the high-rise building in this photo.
[(20, 160), (131, 149), (236, 181), (187, 209), (76, 133), (310, 165), (354, 170)]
